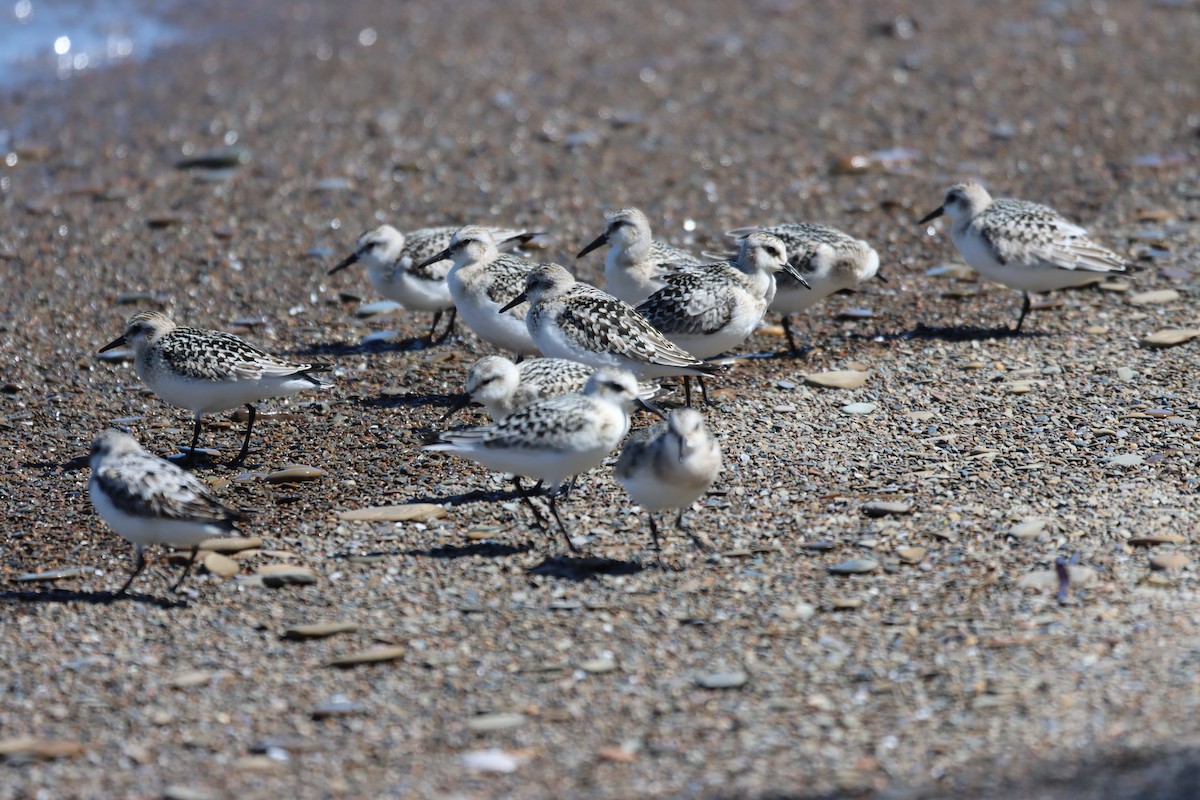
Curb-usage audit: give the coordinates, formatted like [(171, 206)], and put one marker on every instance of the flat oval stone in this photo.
[(491, 760), (910, 555), (859, 408), (1126, 460), (418, 512), (338, 706), (855, 566), (599, 666), (884, 508), (319, 630), (231, 544), (276, 575), (1172, 559), (1154, 297), (1168, 337), (837, 379), (723, 680), (295, 474), (498, 721), (845, 603), (54, 574), (221, 565), (1156, 538), (374, 655)]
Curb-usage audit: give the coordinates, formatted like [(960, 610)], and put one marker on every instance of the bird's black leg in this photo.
[(141, 564), (241, 457), (554, 510), (190, 458), (654, 538), (687, 391), (701, 545), (703, 391), (1025, 303), (787, 331), (449, 328), (538, 516), (186, 568), (437, 317)]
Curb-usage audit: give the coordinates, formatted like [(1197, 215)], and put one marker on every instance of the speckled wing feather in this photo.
[(546, 424), (508, 280), (143, 485), (602, 323), (692, 303), (214, 355), (1036, 235), (419, 245), (665, 254), (801, 240), (554, 374)]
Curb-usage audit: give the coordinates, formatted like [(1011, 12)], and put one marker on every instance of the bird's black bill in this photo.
[(879, 276), (460, 402), (442, 256), (114, 343), (345, 262), (601, 240), (790, 269), (937, 212), (516, 301)]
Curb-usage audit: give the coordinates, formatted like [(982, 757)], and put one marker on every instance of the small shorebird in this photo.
[(635, 261), (149, 500), (207, 371), (1022, 245)]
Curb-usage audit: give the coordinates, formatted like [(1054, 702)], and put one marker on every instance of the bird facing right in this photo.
[(1022, 245), (670, 465), (149, 500)]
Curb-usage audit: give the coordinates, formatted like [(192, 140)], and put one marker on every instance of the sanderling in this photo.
[(501, 386), (206, 371), (392, 258), (481, 281), (148, 500), (635, 261), (552, 440), (829, 259), (577, 321), (1022, 245), (670, 465), (709, 309)]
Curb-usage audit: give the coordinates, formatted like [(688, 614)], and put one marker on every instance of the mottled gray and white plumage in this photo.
[(574, 320), (555, 439), (481, 281), (206, 371), (710, 309), (636, 262), (501, 386), (148, 500), (1022, 245), (670, 465), (399, 267), (829, 259)]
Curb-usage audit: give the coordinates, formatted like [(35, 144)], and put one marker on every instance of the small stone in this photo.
[(223, 566), (855, 566), (723, 680), (232, 544), (1125, 373), (910, 555), (1095, 330), (1127, 460), (1169, 337), (1171, 559), (1154, 298), (859, 408), (411, 512), (491, 760), (27, 748), (380, 309), (499, 721), (599, 666), (257, 764), (1047, 579), (179, 792), (191, 678), (845, 603), (338, 706), (1152, 539), (1029, 528), (885, 508), (373, 655), (1020, 387), (276, 575), (295, 474), (319, 630), (837, 379), (799, 611), (54, 574)]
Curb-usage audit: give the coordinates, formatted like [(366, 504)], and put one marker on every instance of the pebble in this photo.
[(855, 566), (319, 630), (1157, 538), (884, 508), (27, 748), (1126, 460), (798, 611), (845, 603), (818, 546), (1172, 559), (180, 792), (54, 574), (338, 706), (859, 408), (412, 512), (382, 308), (910, 555), (1154, 298), (498, 721), (599, 666), (723, 680), (294, 474), (1029, 528), (373, 655), (232, 544), (1047, 579), (491, 760), (837, 379), (276, 575), (1169, 337), (221, 565), (191, 678)]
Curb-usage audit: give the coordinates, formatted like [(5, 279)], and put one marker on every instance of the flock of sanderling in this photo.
[(597, 353)]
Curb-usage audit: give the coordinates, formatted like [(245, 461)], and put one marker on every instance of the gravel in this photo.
[(220, 179)]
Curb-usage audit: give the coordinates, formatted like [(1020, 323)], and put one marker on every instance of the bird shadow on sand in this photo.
[(397, 345), (963, 333), (482, 549), (582, 568), (409, 400), (89, 598)]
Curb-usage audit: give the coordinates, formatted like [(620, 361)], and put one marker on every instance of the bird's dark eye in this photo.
[(773, 252)]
